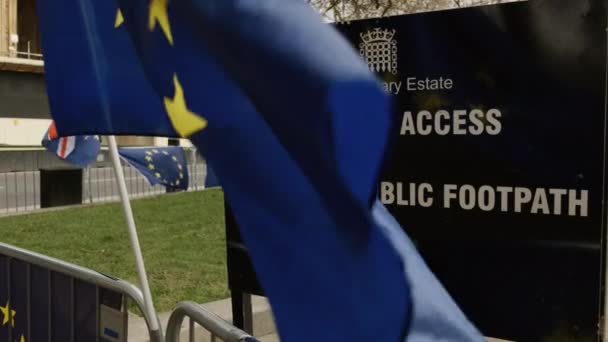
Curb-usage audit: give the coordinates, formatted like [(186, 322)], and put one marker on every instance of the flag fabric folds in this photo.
[(297, 64), (106, 92), (295, 127), (159, 165), (79, 150)]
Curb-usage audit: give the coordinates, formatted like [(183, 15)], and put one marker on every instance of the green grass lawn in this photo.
[(182, 238)]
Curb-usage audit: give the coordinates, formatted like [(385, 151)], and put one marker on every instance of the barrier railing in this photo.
[(215, 325), (60, 295), (20, 179)]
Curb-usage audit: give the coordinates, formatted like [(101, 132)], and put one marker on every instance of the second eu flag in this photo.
[(159, 165)]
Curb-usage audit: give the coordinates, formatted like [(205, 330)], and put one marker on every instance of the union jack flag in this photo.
[(77, 150)]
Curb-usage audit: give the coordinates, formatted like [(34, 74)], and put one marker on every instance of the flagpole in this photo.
[(139, 259)]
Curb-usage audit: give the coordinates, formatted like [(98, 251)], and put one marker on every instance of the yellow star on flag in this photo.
[(148, 158), (181, 175), (157, 175), (158, 14), (119, 19), (177, 182), (184, 121), (151, 166), (174, 158), (8, 314), (166, 153), (149, 153), (179, 166)]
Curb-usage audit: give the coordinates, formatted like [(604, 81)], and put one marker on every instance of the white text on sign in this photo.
[(457, 122), (539, 201)]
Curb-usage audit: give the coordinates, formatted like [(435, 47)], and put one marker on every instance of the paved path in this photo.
[(263, 322)]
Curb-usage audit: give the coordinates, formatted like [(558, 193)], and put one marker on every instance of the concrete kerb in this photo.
[(263, 322)]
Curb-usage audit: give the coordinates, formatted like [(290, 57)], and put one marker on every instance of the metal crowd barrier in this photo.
[(217, 326), (27, 264)]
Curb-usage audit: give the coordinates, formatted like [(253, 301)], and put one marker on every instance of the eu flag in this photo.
[(295, 127), (79, 150), (210, 178), (160, 165), (84, 39)]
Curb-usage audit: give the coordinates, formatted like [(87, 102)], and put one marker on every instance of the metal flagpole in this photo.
[(139, 259)]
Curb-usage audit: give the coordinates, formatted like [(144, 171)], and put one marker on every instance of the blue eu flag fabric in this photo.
[(211, 180), (160, 165), (84, 40), (80, 150), (295, 127)]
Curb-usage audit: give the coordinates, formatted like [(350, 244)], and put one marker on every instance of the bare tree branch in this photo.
[(344, 10)]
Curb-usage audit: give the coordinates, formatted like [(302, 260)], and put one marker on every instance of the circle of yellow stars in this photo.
[(184, 121), (8, 316), (150, 159)]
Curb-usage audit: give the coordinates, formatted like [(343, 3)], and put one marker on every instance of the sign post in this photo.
[(497, 168)]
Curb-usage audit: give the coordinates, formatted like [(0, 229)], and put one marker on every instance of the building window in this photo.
[(27, 29)]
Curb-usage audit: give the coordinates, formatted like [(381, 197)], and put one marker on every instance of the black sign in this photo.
[(497, 164)]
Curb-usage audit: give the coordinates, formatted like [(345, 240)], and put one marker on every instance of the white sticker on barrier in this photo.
[(111, 324)]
